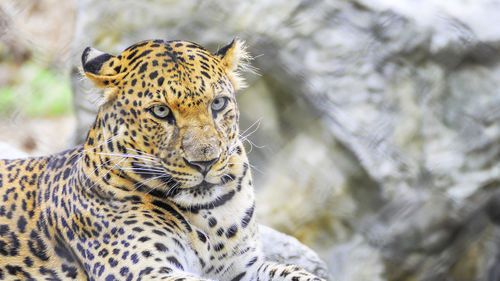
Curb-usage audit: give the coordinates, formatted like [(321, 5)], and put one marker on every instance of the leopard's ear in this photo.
[(101, 68), (234, 58)]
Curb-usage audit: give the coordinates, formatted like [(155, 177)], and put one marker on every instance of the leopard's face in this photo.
[(171, 108)]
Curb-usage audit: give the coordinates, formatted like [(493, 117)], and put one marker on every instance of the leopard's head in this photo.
[(168, 117)]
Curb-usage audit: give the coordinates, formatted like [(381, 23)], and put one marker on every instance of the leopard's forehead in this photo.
[(183, 72)]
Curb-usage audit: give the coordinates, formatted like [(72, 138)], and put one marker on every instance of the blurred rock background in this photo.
[(373, 126)]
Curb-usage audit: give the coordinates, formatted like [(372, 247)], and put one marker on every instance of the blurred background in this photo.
[(373, 126)]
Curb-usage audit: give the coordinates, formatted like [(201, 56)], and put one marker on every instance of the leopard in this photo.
[(161, 189)]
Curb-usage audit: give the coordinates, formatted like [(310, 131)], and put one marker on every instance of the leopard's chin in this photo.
[(204, 185)]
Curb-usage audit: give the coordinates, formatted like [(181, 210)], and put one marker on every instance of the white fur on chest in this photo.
[(231, 233)]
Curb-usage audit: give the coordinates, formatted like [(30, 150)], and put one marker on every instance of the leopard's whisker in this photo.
[(141, 152), (252, 144), (82, 152), (147, 166), (140, 168), (97, 168), (105, 174), (173, 189), (143, 172), (162, 184), (257, 122), (141, 183), (144, 158), (250, 165)]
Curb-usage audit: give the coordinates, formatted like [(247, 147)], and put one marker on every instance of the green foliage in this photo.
[(37, 92), (6, 99)]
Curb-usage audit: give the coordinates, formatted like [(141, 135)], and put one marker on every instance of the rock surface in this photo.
[(281, 248), (379, 130)]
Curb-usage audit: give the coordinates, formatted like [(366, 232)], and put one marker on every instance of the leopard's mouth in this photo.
[(204, 185)]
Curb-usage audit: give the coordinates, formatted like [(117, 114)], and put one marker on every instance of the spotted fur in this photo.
[(161, 189)]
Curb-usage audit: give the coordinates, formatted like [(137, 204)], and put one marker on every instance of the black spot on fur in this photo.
[(153, 75), (175, 262), (71, 271), (201, 236), (231, 231), (143, 68), (238, 277), (218, 247), (160, 81), (212, 222), (161, 247), (21, 224), (248, 216), (37, 246), (28, 261)]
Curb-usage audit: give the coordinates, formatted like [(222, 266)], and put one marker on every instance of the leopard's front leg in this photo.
[(174, 276), (268, 271), (142, 271)]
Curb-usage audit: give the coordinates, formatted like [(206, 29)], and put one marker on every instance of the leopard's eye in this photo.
[(219, 104), (161, 111)]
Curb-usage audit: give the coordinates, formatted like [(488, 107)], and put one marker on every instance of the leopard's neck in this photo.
[(229, 220)]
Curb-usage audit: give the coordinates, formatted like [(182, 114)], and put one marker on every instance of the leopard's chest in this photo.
[(225, 236)]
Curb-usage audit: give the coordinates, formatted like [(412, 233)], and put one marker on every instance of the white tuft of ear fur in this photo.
[(235, 59)]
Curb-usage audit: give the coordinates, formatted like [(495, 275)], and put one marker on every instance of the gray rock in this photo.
[(282, 248)]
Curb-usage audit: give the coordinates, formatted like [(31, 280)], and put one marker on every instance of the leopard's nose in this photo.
[(201, 166)]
